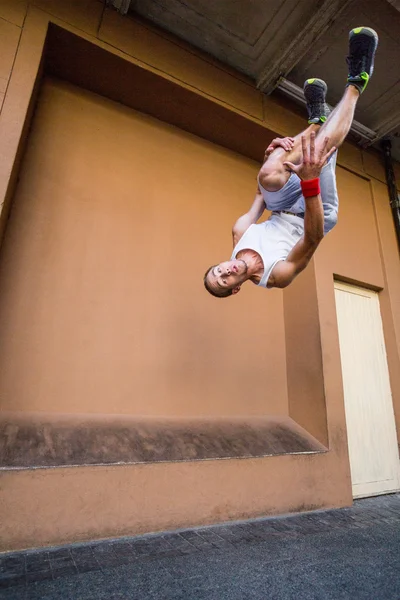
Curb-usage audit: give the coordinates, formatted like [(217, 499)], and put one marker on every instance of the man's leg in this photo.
[(363, 42), (273, 174), (339, 121)]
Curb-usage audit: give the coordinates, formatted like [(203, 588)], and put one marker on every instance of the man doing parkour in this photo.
[(297, 183)]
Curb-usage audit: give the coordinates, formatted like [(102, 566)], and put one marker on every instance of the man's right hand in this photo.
[(313, 160)]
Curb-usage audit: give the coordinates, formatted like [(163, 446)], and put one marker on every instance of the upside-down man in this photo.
[(297, 183)]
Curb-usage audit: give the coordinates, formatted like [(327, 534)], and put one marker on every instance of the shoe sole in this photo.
[(371, 33), (317, 83), (366, 30), (321, 85)]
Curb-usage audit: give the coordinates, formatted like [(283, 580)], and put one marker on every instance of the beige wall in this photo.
[(84, 211), (352, 250), (115, 218)]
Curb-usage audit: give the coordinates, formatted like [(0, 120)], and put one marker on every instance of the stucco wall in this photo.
[(115, 219), (92, 502)]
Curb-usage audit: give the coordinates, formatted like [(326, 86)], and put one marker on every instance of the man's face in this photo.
[(228, 275)]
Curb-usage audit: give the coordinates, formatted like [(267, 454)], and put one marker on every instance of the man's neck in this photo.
[(254, 262)]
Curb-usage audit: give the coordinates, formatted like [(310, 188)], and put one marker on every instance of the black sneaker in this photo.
[(314, 93), (363, 42)]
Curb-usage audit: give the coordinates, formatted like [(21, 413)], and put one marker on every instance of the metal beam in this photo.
[(122, 6), (306, 37), (389, 126), (395, 3), (365, 135)]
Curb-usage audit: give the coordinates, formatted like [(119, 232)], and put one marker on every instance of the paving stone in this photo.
[(196, 540), (59, 553), (122, 548), (101, 552), (38, 566), (60, 589), (12, 564), (64, 571), (13, 571), (225, 533), (14, 593), (39, 576), (179, 543), (87, 567), (7, 581), (61, 562)]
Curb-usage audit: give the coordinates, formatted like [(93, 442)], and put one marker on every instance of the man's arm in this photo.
[(249, 218), (298, 258)]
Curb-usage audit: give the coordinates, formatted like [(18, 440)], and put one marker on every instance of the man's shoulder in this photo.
[(282, 274)]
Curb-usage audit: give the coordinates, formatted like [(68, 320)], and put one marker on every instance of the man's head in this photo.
[(225, 279)]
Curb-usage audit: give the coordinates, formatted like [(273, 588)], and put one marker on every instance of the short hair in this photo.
[(222, 292)]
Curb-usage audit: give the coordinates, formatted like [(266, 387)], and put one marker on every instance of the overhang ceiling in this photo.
[(278, 41)]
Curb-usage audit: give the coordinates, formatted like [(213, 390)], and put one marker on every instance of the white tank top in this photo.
[(272, 240)]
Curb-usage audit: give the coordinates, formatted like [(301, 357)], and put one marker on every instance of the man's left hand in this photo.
[(285, 143)]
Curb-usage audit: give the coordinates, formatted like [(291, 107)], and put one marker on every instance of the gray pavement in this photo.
[(323, 555)]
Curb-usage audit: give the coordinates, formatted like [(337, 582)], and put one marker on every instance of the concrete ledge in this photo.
[(43, 440)]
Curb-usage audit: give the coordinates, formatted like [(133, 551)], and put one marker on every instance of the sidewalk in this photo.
[(349, 553)]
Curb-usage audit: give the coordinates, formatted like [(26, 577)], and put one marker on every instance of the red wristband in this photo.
[(310, 187)]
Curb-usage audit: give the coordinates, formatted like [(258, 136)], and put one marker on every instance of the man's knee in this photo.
[(272, 178)]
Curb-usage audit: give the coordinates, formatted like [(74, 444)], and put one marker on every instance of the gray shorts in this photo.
[(291, 198)]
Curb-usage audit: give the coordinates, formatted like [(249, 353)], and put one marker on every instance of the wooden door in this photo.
[(374, 458)]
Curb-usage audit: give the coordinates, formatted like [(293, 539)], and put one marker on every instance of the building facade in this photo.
[(131, 401)]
